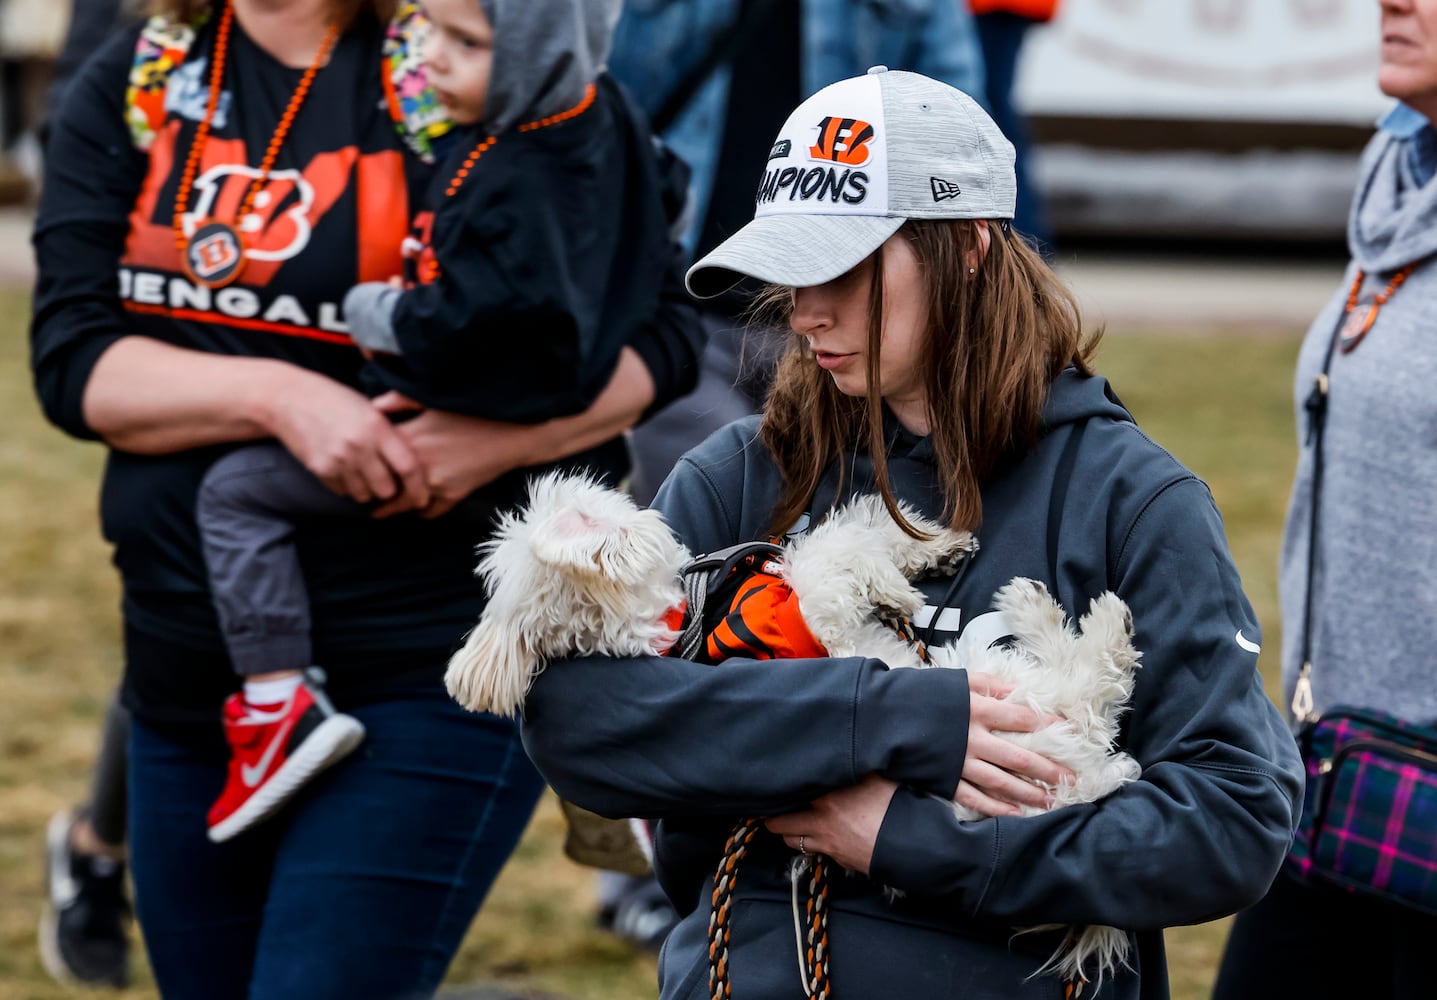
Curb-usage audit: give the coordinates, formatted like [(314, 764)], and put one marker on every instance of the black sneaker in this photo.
[(84, 930)]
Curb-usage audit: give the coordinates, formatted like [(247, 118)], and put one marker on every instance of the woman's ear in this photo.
[(985, 240)]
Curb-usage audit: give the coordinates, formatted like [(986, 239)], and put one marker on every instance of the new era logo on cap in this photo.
[(943, 190)]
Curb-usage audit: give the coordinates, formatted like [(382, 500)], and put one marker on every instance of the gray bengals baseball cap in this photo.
[(851, 165)]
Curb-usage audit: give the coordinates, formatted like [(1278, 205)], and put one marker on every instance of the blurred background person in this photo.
[(84, 927), (1002, 28), (1372, 565), (30, 36), (91, 22), (717, 78)]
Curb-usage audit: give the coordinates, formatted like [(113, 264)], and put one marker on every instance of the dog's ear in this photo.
[(494, 668), (578, 541)]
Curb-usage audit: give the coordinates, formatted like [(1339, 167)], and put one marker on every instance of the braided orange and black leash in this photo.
[(813, 951), (903, 626), (721, 914), (814, 954)]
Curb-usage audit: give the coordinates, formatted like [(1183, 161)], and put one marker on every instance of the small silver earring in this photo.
[(972, 270)]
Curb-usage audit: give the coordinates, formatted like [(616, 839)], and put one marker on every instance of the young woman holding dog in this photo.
[(937, 360), (1372, 565), (273, 126)]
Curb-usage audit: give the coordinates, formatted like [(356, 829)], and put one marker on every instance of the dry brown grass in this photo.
[(1219, 403)]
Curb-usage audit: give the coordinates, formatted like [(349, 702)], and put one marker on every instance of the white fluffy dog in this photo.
[(584, 570)]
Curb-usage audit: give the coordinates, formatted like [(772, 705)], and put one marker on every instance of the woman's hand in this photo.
[(999, 776), (462, 453), (152, 398), (458, 453), (348, 444), (842, 824)]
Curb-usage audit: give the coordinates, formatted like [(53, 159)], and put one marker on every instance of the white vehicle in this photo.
[(1202, 117)]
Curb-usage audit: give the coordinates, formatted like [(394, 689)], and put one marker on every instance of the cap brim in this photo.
[(794, 250)]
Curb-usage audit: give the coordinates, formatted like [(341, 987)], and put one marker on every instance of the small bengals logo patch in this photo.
[(213, 255), (843, 140)]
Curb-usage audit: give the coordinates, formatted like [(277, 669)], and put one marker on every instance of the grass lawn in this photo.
[(1220, 402)]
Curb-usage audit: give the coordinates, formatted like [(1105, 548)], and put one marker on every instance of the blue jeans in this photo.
[(1001, 35), (363, 886)]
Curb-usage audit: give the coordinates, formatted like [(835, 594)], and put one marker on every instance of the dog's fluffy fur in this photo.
[(583, 570)]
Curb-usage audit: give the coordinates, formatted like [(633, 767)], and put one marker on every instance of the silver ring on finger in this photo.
[(800, 846)]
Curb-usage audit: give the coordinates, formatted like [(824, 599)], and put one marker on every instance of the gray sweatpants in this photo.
[(246, 510)]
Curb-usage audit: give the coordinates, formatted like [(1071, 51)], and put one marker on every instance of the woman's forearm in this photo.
[(616, 409), (149, 397)]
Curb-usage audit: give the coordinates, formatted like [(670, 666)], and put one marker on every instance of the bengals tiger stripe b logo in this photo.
[(763, 622), (842, 140)]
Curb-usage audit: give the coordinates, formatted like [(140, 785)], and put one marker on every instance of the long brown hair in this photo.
[(995, 341), (187, 11)]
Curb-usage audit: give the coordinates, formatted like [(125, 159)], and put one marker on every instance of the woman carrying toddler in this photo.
[(218, 180), (936, 360), (540, 248)]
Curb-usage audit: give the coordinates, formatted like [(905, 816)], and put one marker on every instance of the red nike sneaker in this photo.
[(273, 753)]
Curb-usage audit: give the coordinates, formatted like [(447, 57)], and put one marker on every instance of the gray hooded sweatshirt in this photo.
[(1374, 620), (1094, 506), (545, 53)]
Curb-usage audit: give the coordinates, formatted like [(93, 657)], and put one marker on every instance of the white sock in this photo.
[(270, 693)]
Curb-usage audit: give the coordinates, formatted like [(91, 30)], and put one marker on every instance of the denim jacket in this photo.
[(658, 41)]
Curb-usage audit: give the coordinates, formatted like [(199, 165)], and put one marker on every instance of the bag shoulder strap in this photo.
[(414, 107), (1315, 406)]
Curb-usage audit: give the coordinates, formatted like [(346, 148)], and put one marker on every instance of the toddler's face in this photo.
[(460, 56)]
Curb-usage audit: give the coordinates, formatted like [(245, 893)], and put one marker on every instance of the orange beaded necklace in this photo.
[(420, 265), (483, 146), (1355, 328), (214, 255)]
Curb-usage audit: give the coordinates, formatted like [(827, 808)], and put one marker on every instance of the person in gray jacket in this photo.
[(1374, 566), (935, 360)]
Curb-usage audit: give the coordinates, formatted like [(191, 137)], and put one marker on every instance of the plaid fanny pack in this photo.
[(1369, 814)]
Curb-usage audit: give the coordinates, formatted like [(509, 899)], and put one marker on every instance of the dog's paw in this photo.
[(1106, 640), (950, 549), (1036, 618), (1108, 616)]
